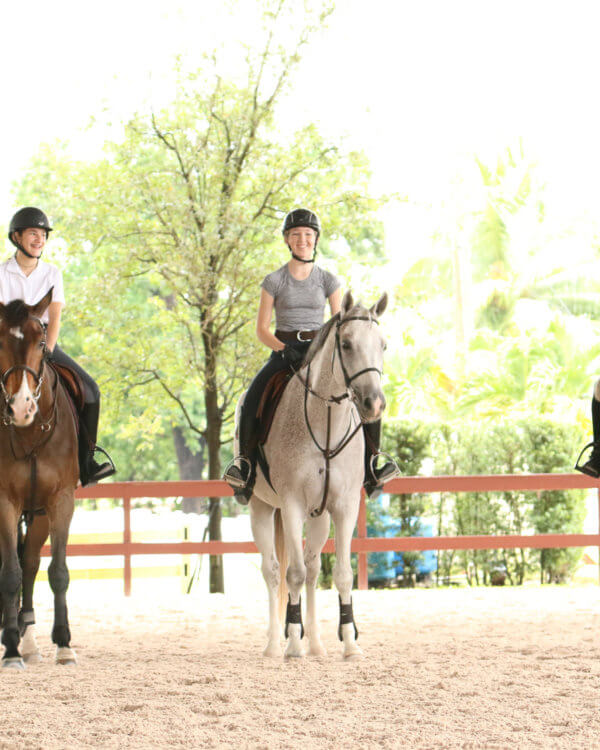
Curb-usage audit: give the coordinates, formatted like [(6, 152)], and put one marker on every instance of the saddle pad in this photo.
[(269, 402), (73, 386)]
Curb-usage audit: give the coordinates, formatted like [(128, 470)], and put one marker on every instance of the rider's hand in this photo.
[(294, 357)]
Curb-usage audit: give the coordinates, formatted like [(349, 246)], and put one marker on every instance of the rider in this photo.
[(592, 466), (25, 276), (298, 292)]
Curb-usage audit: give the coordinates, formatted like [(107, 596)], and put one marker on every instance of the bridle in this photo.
[(37, 376), (46, 425), (329, 453)]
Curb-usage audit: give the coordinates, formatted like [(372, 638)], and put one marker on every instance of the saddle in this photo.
[(269, 402), (73, 387)]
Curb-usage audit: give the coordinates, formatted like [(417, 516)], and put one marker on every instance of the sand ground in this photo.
[(463, 668)]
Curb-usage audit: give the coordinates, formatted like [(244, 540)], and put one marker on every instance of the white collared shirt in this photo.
[(14, 284)]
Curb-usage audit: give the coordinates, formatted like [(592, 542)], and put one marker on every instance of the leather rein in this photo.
[(46, 426), (327, 451)]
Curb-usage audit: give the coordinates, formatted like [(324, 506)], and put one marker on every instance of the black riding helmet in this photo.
[(302, 217), (26, 218)]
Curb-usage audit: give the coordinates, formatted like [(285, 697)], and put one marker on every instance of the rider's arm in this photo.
[(335, 300), (263, 322), (54, 312)]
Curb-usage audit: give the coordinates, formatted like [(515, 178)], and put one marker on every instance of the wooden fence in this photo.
[(361, 544)]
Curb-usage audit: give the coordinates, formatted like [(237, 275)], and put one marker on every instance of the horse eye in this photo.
[(41, 345), (384, 345), (346, 345)]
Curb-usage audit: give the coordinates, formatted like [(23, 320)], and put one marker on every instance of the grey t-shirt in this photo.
[(300, 305)]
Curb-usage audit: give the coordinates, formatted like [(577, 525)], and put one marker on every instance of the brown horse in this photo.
[(38, 454)]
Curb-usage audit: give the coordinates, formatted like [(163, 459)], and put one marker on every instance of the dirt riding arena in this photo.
[(460, 668)]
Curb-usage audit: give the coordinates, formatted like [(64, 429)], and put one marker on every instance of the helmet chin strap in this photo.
[(303, 260), (22, 249)]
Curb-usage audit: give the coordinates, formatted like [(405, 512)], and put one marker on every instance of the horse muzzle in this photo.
[(370, 406)]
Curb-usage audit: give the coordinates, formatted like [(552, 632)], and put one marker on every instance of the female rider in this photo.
[(298, 292), (25, 276)]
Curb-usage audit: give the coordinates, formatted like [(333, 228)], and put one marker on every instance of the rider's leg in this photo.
[(592, 466), (241, 473), (375, 477), (90, 471)]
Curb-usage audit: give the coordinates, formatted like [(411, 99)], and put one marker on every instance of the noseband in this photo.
[(37, 376)]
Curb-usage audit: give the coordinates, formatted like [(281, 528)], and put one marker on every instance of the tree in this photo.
[(184, 211)]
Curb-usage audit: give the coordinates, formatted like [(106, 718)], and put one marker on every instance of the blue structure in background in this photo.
[(387, 566)]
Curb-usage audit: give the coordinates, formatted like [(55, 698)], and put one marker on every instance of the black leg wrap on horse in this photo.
[(293, 616), (25, 619), (346, 618)]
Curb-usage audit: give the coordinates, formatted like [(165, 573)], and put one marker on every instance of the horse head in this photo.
[(22, 350), (360, 348)]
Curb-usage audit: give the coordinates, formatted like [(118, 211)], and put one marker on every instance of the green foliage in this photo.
[(508, 446)]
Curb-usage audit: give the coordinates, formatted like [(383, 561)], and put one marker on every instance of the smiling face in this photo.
[(301, 241), (33, 240)]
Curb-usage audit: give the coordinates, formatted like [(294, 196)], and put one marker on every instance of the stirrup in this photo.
[(588, 467), (392, 475), (237, 483)]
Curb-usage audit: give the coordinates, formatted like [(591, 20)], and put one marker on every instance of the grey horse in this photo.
[(314, 454)]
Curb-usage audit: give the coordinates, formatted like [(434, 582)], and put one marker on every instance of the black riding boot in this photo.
[(241, 473), (376, 477), (592, 466), (90, 471)]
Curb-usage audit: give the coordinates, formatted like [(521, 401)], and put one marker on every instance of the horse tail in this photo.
[(281, 553)]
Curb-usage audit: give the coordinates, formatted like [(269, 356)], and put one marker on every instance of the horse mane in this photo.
[(16, 313), (320, 338)]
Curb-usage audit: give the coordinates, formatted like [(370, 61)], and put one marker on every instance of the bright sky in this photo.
[(421, 86)]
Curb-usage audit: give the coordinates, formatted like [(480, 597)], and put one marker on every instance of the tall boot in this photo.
[(592, 466), (376, 477), (241, 472), (90, 471)]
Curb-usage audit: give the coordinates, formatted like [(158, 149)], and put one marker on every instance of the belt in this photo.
[(289, 336)]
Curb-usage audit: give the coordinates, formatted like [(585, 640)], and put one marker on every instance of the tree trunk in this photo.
[(191, 466)]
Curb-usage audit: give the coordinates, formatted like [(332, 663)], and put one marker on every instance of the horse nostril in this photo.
[(368, 402)]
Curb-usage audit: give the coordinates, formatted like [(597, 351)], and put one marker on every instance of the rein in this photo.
[(329, 453)]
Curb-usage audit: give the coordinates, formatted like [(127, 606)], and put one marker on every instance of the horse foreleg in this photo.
[(293, 521), (317, 531), (343, 578), (37, 533), (10, 585), (58, 576), (261, 520)]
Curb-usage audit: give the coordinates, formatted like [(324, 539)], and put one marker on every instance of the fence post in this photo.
[(127, 540), (363, 572)]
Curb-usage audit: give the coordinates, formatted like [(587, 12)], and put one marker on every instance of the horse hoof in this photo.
[(14, 662), (294, 653), (66, 657), (33, 658), (317, 650), (273, 652), (354, 656)]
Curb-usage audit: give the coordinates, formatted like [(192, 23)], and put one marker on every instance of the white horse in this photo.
[(315, 455)]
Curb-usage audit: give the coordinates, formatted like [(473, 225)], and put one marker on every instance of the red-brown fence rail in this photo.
[(361, 544)]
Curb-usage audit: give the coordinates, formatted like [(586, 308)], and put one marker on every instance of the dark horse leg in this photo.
[(10, 584), (60, 512), (37, 533)]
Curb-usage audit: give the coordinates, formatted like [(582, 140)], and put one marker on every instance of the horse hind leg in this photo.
[(37, 533), (317, 531), (261, 519)]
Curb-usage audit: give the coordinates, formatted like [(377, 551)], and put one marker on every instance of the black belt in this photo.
[(291, 336)]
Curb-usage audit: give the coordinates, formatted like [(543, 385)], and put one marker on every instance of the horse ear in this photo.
[(347, 303), (40, 307), (379, 307)]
